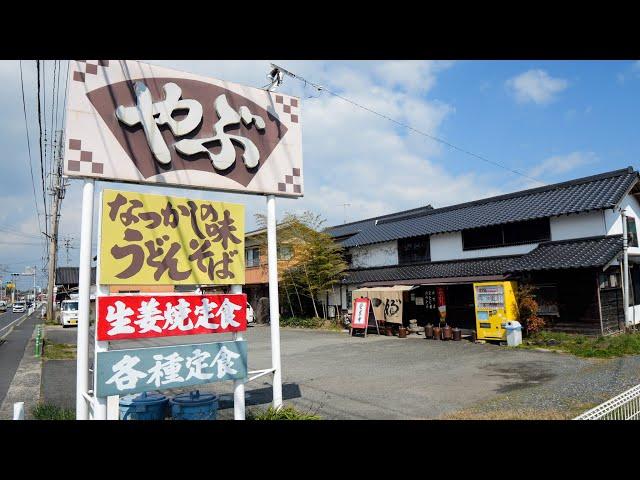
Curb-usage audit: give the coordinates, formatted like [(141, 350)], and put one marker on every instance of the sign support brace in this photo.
[(274, 307), (84, 287)]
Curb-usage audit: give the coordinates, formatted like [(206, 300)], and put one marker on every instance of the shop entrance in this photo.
[(422, 305)]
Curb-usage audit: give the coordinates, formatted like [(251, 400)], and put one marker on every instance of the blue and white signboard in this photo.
[(121, 372)]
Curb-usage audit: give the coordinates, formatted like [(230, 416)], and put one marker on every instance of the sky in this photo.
[(549, 120)]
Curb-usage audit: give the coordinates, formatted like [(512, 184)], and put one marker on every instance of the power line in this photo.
[(26, 127), (64, 102), (12, 231), (52, 136), (320, 88), (44, 199)]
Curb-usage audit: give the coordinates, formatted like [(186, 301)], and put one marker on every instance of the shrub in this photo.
[(301, 322), (47, 411), (528, 309), (284, 413)]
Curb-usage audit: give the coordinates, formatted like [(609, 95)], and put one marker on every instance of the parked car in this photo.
[(69, 313), (249, 313), (3, 306), (19, 307)]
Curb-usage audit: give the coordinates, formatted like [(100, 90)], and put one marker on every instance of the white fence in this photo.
[(625, 406)]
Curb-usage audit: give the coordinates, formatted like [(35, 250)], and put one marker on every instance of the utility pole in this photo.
[(58, 194)]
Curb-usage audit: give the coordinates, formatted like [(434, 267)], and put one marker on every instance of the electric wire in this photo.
[(44, 199), (26, 127), (320, 88), (52, 138)]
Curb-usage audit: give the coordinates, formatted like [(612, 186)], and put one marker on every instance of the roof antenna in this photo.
[(345, 205)]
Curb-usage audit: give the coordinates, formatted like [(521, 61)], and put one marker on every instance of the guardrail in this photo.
[(625, 406)]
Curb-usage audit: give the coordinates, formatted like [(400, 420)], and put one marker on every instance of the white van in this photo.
[(69, 313)]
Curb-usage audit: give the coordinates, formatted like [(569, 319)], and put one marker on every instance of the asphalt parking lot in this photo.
[(342, 377)]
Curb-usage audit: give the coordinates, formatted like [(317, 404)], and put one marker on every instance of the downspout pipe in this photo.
[(625, 267)]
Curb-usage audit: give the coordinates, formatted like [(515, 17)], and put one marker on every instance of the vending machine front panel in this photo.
[(495, 305)]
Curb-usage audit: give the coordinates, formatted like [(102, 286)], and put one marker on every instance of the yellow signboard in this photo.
[(159, 239)]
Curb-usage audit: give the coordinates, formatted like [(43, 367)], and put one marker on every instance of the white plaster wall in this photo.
[(448, 246), (613, 219), (587, 224), (376, 255)]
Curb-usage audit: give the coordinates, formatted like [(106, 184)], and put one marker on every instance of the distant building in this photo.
[(256, 264)]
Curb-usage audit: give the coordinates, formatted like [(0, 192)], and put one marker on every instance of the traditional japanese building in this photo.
[(564, 239)]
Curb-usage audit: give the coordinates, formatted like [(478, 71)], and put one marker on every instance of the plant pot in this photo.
[(457, 334), (428, 331), (447, 334), (437, 332), (402, 332)]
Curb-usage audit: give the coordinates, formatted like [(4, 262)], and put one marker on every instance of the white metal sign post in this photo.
[(274, 307), (84, 287)]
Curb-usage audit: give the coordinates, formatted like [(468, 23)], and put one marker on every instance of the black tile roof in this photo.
[(352, 228), (580, 253), (71, 275), (460, 268), (589, 193)]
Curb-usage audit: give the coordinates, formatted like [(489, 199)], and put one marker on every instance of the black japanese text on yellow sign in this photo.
[(159, 239)]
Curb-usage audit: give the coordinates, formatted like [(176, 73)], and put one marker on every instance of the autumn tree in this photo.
[(317, 263)]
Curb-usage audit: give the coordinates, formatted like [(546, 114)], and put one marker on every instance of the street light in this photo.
[(27, 273)]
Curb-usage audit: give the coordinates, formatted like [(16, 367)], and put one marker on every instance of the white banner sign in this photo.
[(129, 121)]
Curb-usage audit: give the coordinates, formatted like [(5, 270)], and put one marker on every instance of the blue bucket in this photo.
[(194, 406), (147, 406)]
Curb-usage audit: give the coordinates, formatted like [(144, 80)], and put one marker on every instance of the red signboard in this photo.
[(360, 313), (123, 317), (442, 303)]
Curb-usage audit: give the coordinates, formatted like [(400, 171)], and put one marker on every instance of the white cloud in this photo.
[(410, 75), (536, 86), (558, 165)]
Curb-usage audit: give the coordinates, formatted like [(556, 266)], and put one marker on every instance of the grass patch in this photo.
[(284, 413), (314, 322), (59, 351), (47, 411), (584, 346), (568, 412), (516, 414)]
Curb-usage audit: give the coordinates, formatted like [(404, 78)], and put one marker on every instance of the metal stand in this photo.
[(84, 287), (238, 385), (274, 307)]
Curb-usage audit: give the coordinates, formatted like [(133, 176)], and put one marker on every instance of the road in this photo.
[(13, 345)]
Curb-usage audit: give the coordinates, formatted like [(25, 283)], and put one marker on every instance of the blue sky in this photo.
[(552, 120)]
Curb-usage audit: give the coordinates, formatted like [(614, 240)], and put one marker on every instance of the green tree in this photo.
[(317, 264)]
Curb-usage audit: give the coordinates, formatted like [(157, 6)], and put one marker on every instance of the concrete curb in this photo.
[(25, 386)]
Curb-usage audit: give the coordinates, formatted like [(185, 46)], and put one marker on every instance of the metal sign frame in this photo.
[(107, 408)]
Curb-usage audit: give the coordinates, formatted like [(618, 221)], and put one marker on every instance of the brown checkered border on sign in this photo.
[(290, 184), (85, 156), (90, 68), (288, 108)]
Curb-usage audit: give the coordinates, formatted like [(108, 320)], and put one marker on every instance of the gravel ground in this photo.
[(584, 384), (342, 377)]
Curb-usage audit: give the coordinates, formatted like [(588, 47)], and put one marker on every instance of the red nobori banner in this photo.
[(122, 317)]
